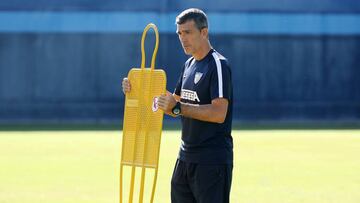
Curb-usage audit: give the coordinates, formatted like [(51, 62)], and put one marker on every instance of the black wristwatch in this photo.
[(177, 109)]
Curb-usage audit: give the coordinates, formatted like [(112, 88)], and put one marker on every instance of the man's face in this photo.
[(190, 36)]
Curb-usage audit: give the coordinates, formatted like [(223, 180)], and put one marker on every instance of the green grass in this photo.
[(280, 166)]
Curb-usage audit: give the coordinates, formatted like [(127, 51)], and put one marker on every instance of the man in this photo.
[(203, 99)]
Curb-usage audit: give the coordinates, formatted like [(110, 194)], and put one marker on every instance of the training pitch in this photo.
[(271, 166)]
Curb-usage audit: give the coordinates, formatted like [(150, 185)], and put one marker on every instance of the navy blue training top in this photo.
[(200, 82)]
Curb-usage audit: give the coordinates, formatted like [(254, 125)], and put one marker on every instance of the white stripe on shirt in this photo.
[(219, 72)]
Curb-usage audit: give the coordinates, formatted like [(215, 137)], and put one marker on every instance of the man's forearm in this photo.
[(214, 112), (207, 112)]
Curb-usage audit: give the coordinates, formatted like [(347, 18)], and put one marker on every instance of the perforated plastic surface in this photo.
[(142, 120)]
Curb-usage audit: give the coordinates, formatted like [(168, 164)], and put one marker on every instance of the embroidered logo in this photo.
[(197, 77)]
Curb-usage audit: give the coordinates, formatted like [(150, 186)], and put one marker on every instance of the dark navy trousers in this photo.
[(201, 183)]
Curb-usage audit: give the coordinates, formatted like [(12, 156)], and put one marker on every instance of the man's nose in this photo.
[(183, 39)]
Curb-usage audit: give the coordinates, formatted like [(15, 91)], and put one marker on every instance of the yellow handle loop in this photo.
[(153, 26)]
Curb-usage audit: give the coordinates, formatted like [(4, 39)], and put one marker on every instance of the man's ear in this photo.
[(205, 32)]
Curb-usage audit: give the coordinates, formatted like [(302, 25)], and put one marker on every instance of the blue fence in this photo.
[(63, 62)]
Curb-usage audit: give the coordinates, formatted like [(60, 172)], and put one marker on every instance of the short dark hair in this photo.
[(195, 14)]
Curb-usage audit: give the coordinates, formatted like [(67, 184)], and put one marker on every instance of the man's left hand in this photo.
[(167, 102)]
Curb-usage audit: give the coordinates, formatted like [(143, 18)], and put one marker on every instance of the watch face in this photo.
[(176, 111)]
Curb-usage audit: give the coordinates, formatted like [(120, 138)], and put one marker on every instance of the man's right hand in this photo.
[(126, 87)]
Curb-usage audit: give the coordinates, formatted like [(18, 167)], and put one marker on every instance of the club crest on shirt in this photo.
[(197, 77)]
